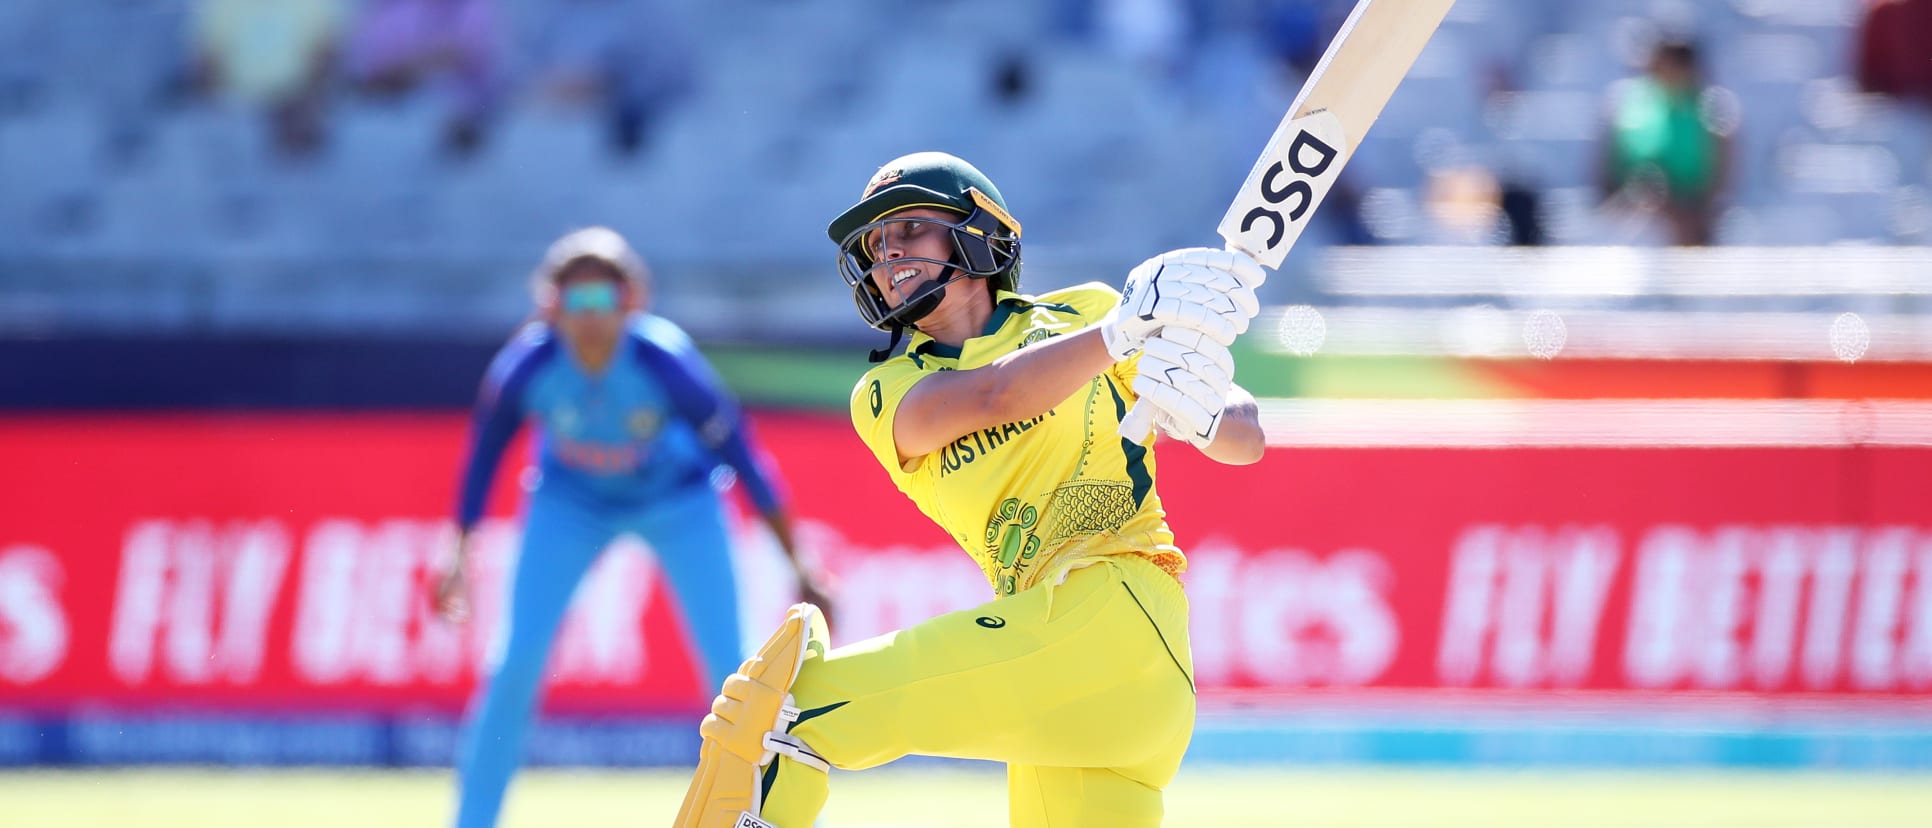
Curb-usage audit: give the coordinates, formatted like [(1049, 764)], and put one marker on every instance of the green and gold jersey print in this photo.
[(1027, 498)]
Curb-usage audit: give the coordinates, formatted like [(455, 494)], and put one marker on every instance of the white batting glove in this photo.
[(1165, 422), (1186, 375), (1196, 288), (1238, 265)]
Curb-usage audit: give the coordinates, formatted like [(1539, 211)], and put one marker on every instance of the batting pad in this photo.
[(738, 736)]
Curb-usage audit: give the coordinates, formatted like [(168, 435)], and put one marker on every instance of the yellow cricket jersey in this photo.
[(1028, 499)]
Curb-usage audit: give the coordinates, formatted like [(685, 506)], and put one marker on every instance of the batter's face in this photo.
[(917, 233)]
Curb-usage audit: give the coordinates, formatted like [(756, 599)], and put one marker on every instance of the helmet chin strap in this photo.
[(918, 306), (926, 299)]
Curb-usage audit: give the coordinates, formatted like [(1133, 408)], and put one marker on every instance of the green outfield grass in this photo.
[(822, 378), (930, 798)]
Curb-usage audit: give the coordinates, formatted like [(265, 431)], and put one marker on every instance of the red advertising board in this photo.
[(278, 562)]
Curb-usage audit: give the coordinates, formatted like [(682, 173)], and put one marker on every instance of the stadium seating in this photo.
[(797, 101)]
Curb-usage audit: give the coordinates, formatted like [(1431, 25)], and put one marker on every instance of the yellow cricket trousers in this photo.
[(1083, 688)]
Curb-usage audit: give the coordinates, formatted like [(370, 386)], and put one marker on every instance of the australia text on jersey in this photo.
[(966, 449)]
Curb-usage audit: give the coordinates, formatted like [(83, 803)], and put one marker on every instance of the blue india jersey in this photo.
[(654, 423)]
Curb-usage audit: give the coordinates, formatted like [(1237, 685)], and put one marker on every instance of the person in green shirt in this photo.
[(1667, 145)]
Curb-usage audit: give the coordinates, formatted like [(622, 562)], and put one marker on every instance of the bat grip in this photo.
[(1138, 422)]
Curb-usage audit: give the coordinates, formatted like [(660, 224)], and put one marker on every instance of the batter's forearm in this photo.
[(1240, 440), (1029, 381), (1020, 385)]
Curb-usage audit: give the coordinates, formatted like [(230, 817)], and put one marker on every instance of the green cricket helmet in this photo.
[(986, 238)]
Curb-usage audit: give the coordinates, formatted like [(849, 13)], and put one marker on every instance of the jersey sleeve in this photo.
[(700, 398), (1092, 300), (875, 404), (497, 415), (1123, 374)]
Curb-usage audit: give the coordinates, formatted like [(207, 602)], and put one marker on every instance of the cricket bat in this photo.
[(1334, 110)]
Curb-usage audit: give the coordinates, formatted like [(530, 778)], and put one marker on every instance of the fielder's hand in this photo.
[(816, 588), (1196, 288), (1186, 375), (451, 600)]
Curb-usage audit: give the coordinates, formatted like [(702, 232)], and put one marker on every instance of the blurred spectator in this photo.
[(1296, 32), (1522, 206), (1666, 150), (1012, 81), (444, 47), (275, 54), (1343, 210), (629, 57), (1463, 203), (1895, 49)]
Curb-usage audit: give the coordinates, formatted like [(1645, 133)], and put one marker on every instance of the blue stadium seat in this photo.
[(380, 144), (50, 163)]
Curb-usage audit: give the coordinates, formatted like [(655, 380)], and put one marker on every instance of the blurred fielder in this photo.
[(1000, 421), (631, 425)]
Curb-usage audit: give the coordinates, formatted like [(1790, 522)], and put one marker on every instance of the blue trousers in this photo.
[(562, 537)]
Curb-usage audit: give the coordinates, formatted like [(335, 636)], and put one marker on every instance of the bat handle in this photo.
[(1138, 422)]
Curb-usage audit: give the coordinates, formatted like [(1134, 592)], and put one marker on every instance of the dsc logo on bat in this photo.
[(1286, 184)]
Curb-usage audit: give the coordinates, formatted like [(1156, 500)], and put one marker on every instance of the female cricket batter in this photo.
[(1000, 421), (631, 425)]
